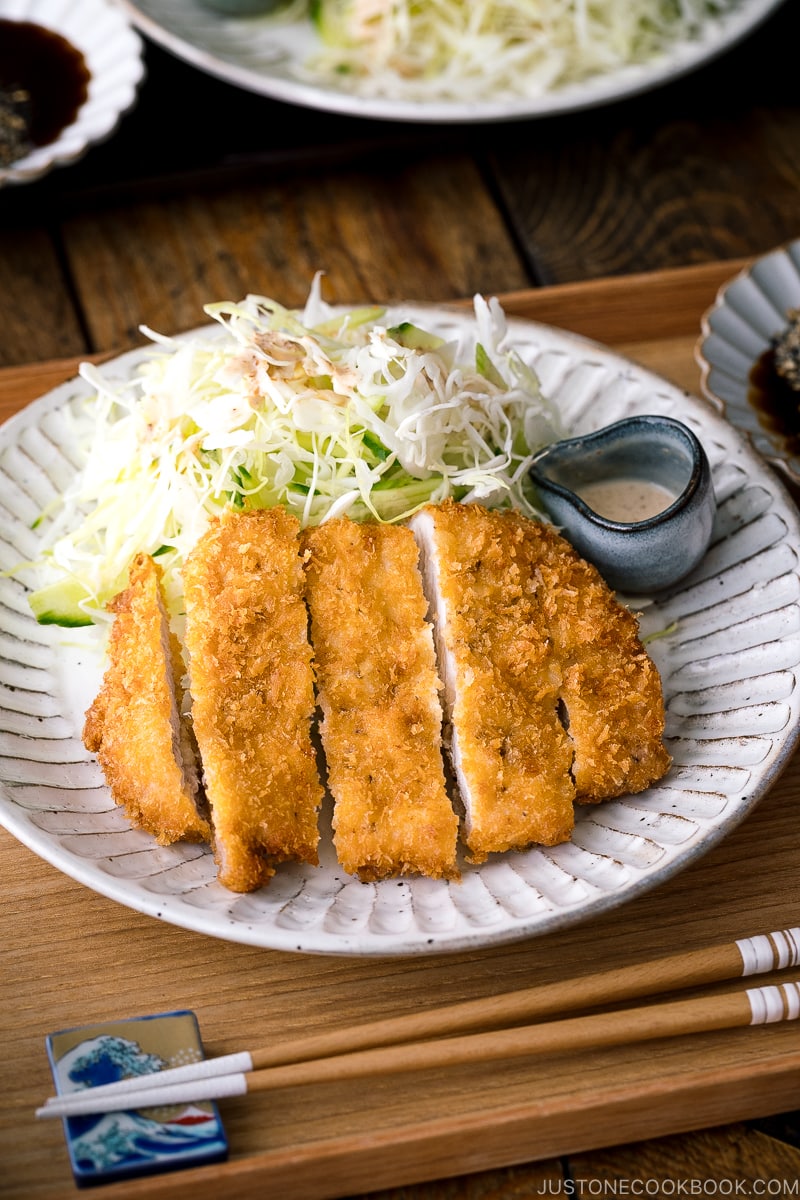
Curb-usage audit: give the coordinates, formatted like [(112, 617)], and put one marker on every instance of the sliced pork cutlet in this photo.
[(611, 689), (379, 694), (134, 724), (251, 678), (510, 753)]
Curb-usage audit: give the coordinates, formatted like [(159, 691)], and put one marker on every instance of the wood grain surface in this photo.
[(377, 238), (601, 1120), (207, 192), (160, 263), (618, 223), (706, 168)]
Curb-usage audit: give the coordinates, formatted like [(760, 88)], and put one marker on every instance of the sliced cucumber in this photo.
[(59, 604), (487, 369), (350, 320), (414, 338), (330, 18)]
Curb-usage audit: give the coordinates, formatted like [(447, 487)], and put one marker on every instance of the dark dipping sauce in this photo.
[(44, 80), (776, 404)]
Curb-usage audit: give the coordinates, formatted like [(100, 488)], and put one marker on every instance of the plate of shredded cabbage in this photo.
[(455, 60), (370, 412)]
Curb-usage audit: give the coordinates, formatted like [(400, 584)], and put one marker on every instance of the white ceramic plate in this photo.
[(112, 51), (747, 314), (265, 56), (729, 670)]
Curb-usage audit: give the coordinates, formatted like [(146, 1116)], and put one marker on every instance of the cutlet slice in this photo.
[(250, 667), (510, 753), (134, 724), (379, 694), (611, 689)]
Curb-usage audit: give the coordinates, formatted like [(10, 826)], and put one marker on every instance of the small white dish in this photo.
[(736, 332), (113, 53)]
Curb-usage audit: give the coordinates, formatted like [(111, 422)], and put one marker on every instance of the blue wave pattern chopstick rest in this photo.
[(130, 1143)]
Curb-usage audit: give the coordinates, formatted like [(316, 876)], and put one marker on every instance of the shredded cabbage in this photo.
[(471, 49), (325, 413)]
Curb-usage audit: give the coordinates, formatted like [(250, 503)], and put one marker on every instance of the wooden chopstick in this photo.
[(731, 960), (744, 957), (744, 1006)]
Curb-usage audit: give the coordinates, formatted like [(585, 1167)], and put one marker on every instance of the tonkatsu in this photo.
[(380, 698), (510, 752), (252, 686), (551, 696), (475, 631), (611, 690), (134, 724)]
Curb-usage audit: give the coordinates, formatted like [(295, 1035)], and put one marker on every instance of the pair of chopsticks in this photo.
[(445, 1036)]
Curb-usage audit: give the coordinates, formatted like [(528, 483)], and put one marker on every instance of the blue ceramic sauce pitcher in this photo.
[(635, 498)]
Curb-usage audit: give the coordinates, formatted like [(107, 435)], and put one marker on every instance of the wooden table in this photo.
[(618, 223)]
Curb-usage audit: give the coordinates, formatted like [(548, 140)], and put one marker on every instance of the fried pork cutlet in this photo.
[(510, 752), (250, 667), (134, 724), (379, 694), (611, 690), (551, 695)]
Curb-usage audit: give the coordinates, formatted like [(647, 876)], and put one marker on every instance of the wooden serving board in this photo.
[(72, 957)]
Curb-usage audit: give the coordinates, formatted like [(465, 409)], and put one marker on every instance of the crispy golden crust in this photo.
[(516, 591), (379, 693), (510, 752), (133, 724), (611, 689), (251, 674)]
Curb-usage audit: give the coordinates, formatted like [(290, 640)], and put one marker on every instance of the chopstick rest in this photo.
[(749, 1006), (739, 959), (123, 1141)]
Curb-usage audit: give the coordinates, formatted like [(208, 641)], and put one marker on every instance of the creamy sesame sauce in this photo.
[(627, 500)]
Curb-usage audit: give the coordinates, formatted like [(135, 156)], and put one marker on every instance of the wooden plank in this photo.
[(38, 315), (19, 385), (404, 233), (672, 302), (692, 172), (748, 1161)]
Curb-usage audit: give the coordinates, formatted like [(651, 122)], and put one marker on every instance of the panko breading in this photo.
[(134, 724), (551, 694), (251, 678), (379, 694), (510, 753), (611, 689)]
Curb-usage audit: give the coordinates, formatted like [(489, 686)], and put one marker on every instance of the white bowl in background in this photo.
[(113, 54)]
